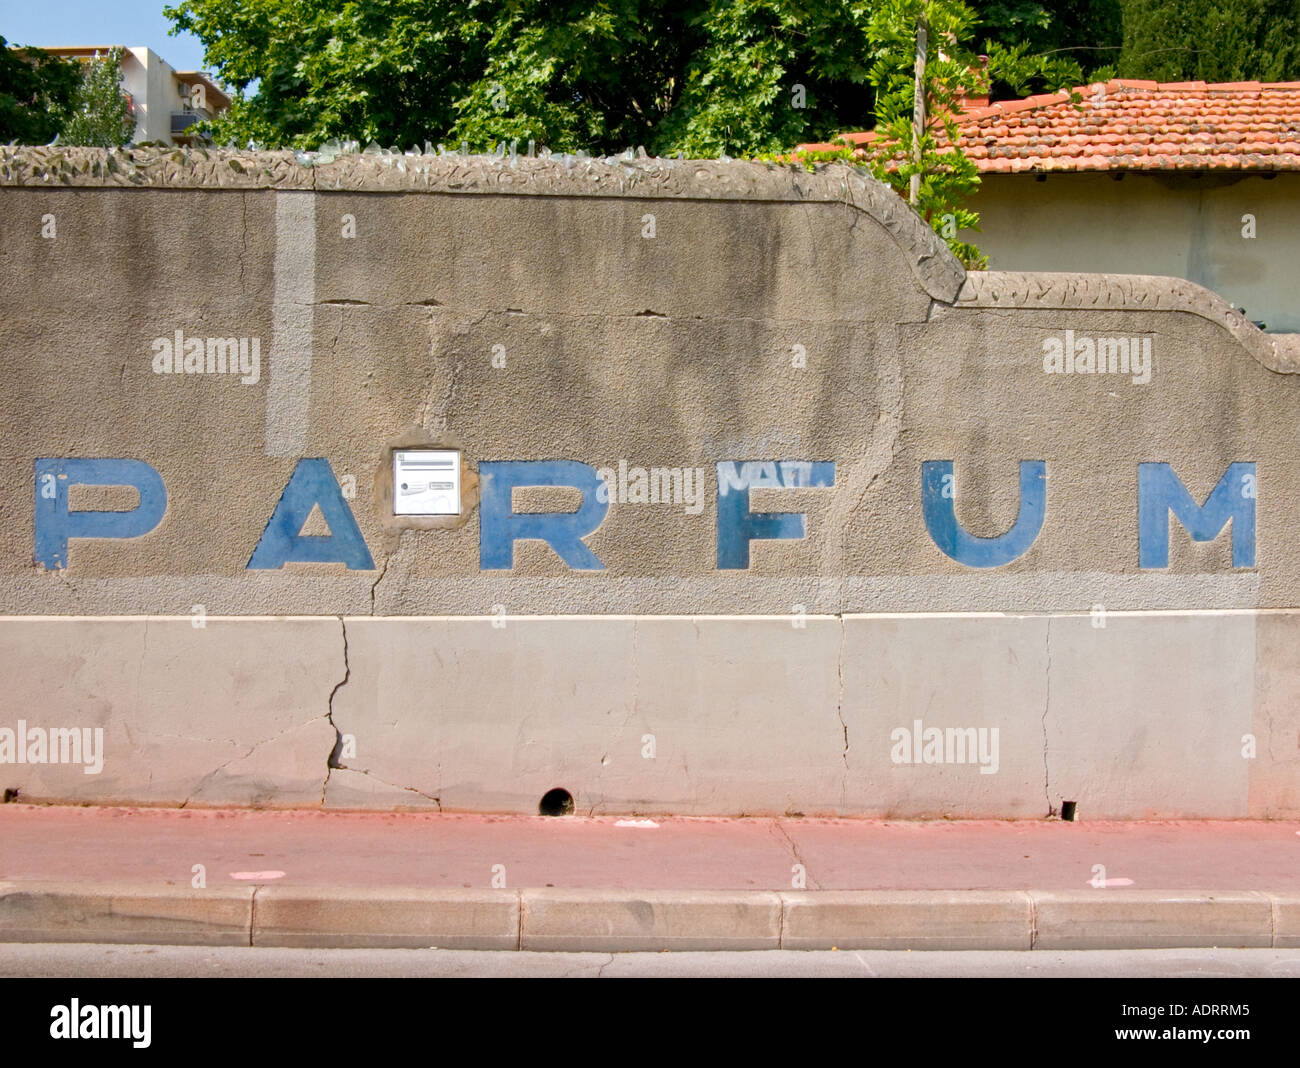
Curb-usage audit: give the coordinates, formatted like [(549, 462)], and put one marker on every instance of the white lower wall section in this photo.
[(1153, 715), (229, 713), (740, 714), (1149, 716)]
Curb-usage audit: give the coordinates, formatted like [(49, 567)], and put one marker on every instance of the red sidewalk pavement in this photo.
[(325, 849)]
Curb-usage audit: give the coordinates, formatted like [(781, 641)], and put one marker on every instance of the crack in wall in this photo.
[(332, 761), (560, 315), (442, 416), (334, 342), (392, 785), (198, 787), (374, 586), (839, 703), (453, 366), (636, 669), (248, 752), (139, 673), (875, 460), (243, 238), (1047, 701), (252, 916)]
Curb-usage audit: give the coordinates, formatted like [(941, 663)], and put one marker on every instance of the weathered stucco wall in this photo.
[(627, 315)]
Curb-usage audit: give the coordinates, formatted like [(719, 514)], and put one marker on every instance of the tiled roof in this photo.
[(1135, 126)]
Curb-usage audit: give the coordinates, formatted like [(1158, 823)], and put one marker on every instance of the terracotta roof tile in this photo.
[(1135, 125)]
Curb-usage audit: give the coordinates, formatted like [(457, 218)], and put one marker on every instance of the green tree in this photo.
[(580, 76), (1211, 40), (99, 112), (386, 70), (952, 71), (696, 76), (1089, 32), (35, 87)]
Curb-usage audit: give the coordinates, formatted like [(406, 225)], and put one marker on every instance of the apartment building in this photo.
[(166, 102)]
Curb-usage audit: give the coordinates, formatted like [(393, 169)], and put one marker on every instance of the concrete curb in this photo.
[(122, 913), (628, 920)]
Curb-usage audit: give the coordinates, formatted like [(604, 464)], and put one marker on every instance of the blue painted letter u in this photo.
[(938, 506)]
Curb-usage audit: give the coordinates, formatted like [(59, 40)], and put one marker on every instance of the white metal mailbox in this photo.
[(426, 482)]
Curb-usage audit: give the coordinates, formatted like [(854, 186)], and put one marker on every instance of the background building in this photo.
[(1187, 179), (166, 102)]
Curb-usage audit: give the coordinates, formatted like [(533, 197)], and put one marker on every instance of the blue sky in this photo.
[(46, 23)]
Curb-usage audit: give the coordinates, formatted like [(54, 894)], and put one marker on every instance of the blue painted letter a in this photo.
[(312, 483)]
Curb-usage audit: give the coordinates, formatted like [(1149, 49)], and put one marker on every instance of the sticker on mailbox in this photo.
[(426, 482)]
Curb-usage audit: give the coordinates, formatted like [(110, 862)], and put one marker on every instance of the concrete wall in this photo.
[(645, 314), (1192, 226)]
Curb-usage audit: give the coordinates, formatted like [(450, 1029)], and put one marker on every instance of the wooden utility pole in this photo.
[(918, 113)]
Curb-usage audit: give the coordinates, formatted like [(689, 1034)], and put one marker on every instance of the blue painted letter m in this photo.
[(1160, 492)]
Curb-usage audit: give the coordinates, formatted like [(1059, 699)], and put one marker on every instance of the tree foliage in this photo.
[(1087, 32), (953, 74), (385, 70), (1211, 40), (99, 112), (701, 77), (35, 89), (698, 76)]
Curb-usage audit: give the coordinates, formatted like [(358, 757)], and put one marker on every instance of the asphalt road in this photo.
[(82, 960)]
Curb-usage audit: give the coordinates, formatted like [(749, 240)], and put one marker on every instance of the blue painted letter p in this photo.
[(54, 524)]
